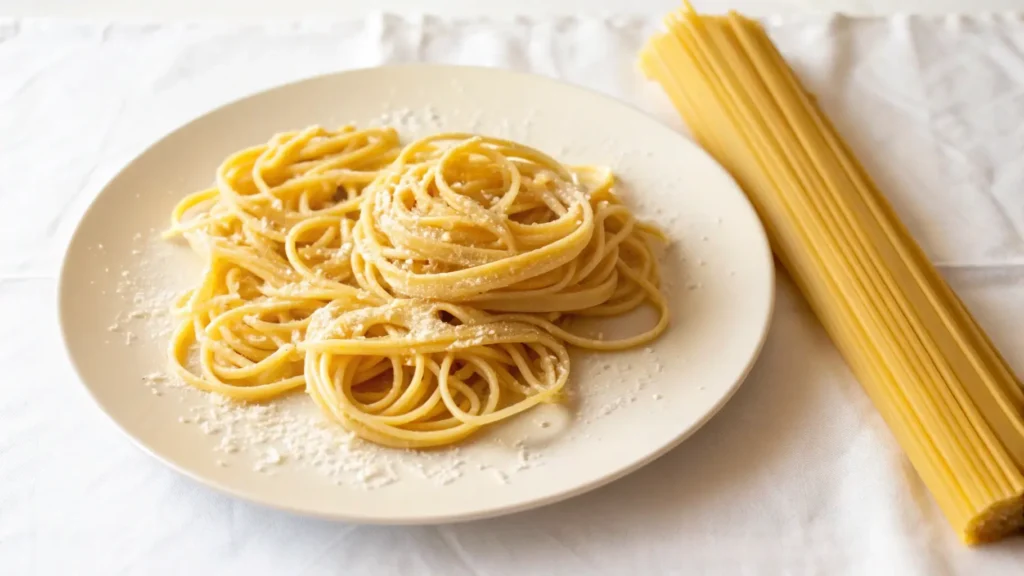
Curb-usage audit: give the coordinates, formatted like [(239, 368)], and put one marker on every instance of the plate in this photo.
[(625, 409)]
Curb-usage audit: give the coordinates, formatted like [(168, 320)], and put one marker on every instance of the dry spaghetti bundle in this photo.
[(944, 390)]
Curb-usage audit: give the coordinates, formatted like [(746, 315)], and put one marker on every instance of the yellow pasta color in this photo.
[(418, 293), (944, 390)]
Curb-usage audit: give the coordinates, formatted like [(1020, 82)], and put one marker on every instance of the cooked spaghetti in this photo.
[(418, 293)]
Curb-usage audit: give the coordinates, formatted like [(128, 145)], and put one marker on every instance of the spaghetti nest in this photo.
[(418, 293), (413, 373), (503, 227)]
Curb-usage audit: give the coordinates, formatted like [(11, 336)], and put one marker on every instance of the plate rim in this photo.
[(101, 187)]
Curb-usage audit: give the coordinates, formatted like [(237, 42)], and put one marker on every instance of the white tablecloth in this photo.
[(797, 475)]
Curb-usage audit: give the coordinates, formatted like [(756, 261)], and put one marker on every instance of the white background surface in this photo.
[(258, 9), (797, 475)]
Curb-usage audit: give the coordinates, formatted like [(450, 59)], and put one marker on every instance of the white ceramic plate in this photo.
[(627, 408)]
